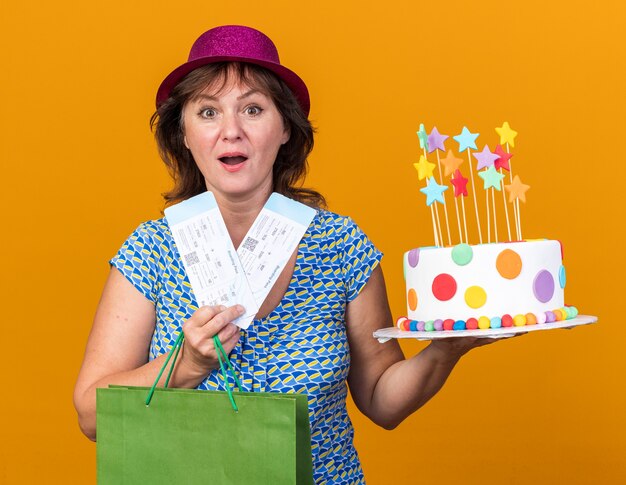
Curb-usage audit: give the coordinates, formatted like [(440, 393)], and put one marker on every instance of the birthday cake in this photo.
[(487, 285)]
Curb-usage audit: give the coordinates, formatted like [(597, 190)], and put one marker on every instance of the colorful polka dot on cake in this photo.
[(462, 254), (412, 299), (562, 276), (509, 264), (444, 287), (414, 257), (543, 286), (475, 297)]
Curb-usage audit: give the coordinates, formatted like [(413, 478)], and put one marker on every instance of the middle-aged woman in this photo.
[(233, 120)]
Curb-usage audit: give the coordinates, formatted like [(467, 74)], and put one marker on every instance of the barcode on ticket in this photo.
[(191, 258), (250, 243)]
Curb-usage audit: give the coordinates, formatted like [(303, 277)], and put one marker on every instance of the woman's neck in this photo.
[(240, 213)]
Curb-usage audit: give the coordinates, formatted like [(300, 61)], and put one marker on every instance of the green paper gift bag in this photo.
[(186, 436)]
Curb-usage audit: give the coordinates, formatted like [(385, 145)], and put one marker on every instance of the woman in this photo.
[(233, 120)]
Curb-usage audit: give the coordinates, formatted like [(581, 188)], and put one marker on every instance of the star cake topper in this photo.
[(503, 160), (423, 137), (491, 178), (507, 135), (434, 191), (424, 168), (517, 190), (436, 141), (485, 158), (450, 163), (460, 184)]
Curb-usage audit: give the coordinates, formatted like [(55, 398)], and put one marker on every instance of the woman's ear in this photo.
[(286, 136), (185, 141)]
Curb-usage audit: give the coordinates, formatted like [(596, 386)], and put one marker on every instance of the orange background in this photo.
[(80, 171)]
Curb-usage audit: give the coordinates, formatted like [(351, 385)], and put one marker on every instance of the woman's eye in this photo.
[(208, 113), (253, 110)]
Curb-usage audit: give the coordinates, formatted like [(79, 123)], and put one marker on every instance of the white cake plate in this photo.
[(386, 334)]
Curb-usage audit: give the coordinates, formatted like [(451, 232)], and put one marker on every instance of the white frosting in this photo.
[(504, 296)]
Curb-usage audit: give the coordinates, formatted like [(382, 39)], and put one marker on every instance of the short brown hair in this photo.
[(291, 162)]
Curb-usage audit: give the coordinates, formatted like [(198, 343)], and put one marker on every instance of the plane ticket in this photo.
[(270, 242), (209, 257), (218, 274)]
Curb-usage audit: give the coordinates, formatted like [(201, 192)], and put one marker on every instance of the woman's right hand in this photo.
[(199, 356)]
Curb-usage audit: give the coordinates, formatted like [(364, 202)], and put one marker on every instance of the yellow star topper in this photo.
[(424, 168), (517, 190), (507, 135)]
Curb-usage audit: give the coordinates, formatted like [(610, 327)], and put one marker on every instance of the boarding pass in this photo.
[(221, 275)]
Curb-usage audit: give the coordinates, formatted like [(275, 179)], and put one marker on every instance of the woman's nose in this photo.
[(231, 127)]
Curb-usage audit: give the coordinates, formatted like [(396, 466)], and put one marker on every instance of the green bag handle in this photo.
[(222, 357)]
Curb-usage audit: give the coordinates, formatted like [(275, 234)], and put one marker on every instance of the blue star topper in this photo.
[(466, 139), (434, 191)]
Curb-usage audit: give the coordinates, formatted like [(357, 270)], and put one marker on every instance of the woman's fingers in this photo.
[(222, 319), (211, 319), (202, 315), (227, 332), (230, 342), (206, 323)]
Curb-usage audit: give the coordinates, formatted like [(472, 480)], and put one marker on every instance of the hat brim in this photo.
[(290, 78)]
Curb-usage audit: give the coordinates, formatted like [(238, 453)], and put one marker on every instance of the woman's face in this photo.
[(234, 137)]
